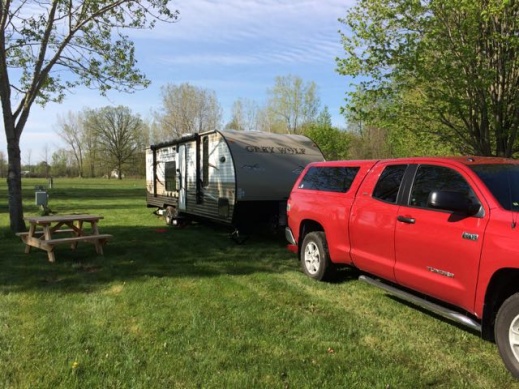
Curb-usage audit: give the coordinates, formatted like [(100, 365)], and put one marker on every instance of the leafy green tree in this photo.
[(293, 103), (395, 127), (73, 133), (324, 118), (187, 109), (62, 161), (368, 141), (244, 116), (460, 57), (90, 143), (49, 47), (334, 143), (119, 134), (42, 169)]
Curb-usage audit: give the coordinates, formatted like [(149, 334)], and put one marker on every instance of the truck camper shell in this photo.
[(237, 178)]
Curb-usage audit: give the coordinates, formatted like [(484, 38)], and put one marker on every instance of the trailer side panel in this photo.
[(214, 198)]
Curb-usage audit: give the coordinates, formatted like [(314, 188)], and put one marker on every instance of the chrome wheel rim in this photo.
[(513, 337), (312, 258)]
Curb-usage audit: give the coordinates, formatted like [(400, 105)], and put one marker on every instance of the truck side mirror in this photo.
[(452, 201)]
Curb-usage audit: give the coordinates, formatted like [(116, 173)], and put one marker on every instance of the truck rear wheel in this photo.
[(315, 259), (507, 333)]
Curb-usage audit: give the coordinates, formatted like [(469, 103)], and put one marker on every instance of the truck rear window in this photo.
[(329, 178)]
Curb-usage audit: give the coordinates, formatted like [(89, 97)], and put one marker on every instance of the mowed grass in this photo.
[(189, 308)]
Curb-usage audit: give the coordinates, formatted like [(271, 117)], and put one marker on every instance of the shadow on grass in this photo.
[(140, 252)]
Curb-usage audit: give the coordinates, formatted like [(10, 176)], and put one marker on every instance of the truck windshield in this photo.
[(503, 182)]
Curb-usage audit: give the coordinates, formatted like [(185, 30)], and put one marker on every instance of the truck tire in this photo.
[(315, 259), (507, 333)]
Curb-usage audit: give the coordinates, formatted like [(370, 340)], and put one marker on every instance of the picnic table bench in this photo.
[(45, 232)]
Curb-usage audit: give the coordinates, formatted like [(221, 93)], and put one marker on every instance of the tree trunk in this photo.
[(14, 185)]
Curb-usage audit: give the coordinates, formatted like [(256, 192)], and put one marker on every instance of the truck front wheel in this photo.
[(507, 333), (315, 259)]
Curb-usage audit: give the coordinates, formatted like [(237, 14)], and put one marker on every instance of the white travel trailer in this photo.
[(233, 177)]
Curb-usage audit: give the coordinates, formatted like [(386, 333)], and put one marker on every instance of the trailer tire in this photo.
[(239, 237), (170, 215), (507, 333), (315, 258)]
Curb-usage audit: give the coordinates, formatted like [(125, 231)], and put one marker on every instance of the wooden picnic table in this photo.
[(43, 232)]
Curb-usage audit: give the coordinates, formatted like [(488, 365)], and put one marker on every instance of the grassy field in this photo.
[(189, 308)]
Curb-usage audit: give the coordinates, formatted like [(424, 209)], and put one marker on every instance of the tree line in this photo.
[(111, 141), (293, 107)]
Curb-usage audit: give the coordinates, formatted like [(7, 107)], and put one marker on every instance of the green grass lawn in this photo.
[(189, 308)]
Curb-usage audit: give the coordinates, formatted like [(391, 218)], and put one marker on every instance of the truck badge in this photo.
[(440, 272), (469, 236)]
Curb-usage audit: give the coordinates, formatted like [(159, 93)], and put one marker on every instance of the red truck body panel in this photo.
[(334, 214), (438, 253)]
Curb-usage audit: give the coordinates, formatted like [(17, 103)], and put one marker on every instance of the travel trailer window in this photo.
[(170, 176), (205, 161)]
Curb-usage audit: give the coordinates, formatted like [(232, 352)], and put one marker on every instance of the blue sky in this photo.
[(235, 48)]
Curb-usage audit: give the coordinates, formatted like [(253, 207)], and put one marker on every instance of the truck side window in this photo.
[(388, 184), (432, 178), (328, 178)]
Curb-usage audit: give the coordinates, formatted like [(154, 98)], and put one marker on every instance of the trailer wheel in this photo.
[(238, 237), (315, 259), (171, 214), (507, 333)]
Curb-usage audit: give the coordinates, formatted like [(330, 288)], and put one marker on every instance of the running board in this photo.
[(430, 306)]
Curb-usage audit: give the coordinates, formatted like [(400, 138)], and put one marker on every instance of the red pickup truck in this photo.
[(441, 233)]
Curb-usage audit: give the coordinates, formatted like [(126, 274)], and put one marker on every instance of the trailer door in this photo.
[(182, 177)]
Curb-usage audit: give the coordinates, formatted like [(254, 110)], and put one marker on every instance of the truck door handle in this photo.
[(404, 219)]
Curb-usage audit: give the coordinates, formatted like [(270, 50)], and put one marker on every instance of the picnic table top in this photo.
[(62, 218)]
